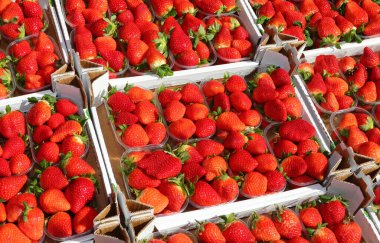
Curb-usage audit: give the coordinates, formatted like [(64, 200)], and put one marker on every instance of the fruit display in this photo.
[(231, 41), (84, 12), (21, 19), (34, 59), (7, 85), (329, 89), (274, 95), (301, 157), (320, 22), (358, 129), (135, 118)]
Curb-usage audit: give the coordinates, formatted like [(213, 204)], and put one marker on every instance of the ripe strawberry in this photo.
[(82, 221), (14, 31), (179, 42), (169, 25), (170, 167), (209, 233), (182, 129), (229, 53), (196, 111), (356, 137), (74, 144), (48, 151), (336, 85), (374, 135), (32, 222), (250, 118), (221, 101), (242, 161), (156, 132), (19, 164), (174, 111), (296, 130), (191, 94), (293, 107), (53, 201), (264, 93), (135, 136), (235, 230), (214, 167), (240, 101), (323, 234), (59, 225), (53, 178), (371, 58), (136, 51), (278, 22), (266, 12), (203, 51), (310, 217), (155, 198), (294, 166), (370, 149), (167, 95), (139, 180), (193, 171), (137, 94), (330, 102), (355, 14), (348, 232), (20, 49), (10, 231), (3, 213), (276, 181), (13, 146), (332, 209), (255, 184), (74, 166), (5, 171), (39, 113), (265, 163), (317, 165), (41, 133), (28, 64), (212, 88), (326, 65), (157, 63), (308, 8), (70, 127), (287, 223), (295, 31), (176, 191), (12, 13), (188, 58), (79, 192), (209, 147), (284, 148), (179, 237), (226, 187), (275, 110), (193, 24), (12, 124), (244, 47), (33, 25), (262, 227), (345, 101), (205, 195), (229, 121), (10, 186), (306, 147), (15, 205), (146, 111)]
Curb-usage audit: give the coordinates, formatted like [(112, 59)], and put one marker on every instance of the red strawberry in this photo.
[(209, 147), (135, 136), (294, 166), (355, 14), (348, 232), (276, 181), (28, 64), (48, 151), (306, 147), (255, 184), (175, 190), (240, 101), (205, 195), (39, 113), (136, 51), (188, 58), (212, 88), (286, 91), (226, 187), (203, 51), (214, 166), (182, 129), (53, 178), (287, 223), (229, 53), (32, 222), (236, 231), (211, 7), (266, 12), (242, 161), (12, 13), (264, 93), (41, 134), (14, 31), (332, 210), (326, 64), (229, 121), (20, 49), (323, 234), (19, 164), (263, 228), (284, 148), (11, 231), (278, 22), (371, 58), (317, 165), (79, 192), (10, 186), (53, 201), (170, 167), (221, 101), (275, 110), (4, 168), (191, 94), (82, 221), (266, 162), (13, 147), (308, 8), (12, 124), (74, 166), (59, 225), (56, 120), (179, 42), (297, 130), (167, 95), (210, 233), (240, 33), (310, 217), (193, 171)]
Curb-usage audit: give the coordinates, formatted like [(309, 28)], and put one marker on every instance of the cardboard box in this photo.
[(69, 86)]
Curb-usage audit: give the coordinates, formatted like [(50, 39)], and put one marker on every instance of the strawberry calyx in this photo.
[(281, 170), (255, 219), (319, 98), (25, 212), (111, 28), (180, 182), (213, 29), (22, 32), (171, 12), (306, 205), (352, 35), (228, 220), (128, 165), (271, 68), (163, 71), (330, 40), (181, 154), (262, 19), (327, 199), (305, 74), (312, 232), (65, 160), (278, 213), (162, 43)]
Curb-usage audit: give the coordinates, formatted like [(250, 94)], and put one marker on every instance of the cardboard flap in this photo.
[(98, 85), (280, 60), (70, 87), (111, 233)]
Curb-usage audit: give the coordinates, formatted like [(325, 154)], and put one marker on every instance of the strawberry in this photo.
[(156, 132), (240, 101), (330, 102), (82, 221), (19, 164), (306, 71), (371, 58), (293, 107), (13, 146), (28, 64), (102, 5), (182, 129), (226, 187), (142, 14), (276, 181), (214, 167), (365, 122), (371, 8), (188, 58), (191, 94), (70, 127), (174, 111), (146, 111), (345, 101), (20, 49), (12, 13), (328, 31), (104, 43), (11, 232), (347, 28), (265, 163), (275, 110), (229, 121), (48, 151), (5, 171), (74, 144), (264, 93), (192, 25), (167, 95), (356, 137), (294, 166), (295, 31), (211, 7), (14, 31), (240, 33), (255, 184), (175, 190), (212, 88), (326, 65), (137, 94), (262, 227), (70, 5), (229, 53), (284, 148), (308, 8), (136, 51), (209, 233), (74, 166), (348, 232), (332, 210), (53, 178), (179, 237), (336, 85), (32, 222), (317, 165), (323, 234), (33, 25), (169, 25), (3, 213), (296, 130), (53, 201), (12, 124), (117, 6), (157, 63), (244, 47), (15, 205), (287, 223), (358, 78), (310, 217), (209, 147), (59, 225), (41, 133), (39, 113), (46, 73), (129, 32), (79, 192), (66, 107), (193, 171), (266, 12), (235, 83), (242, 161), (203, 51), (33, 81), (155, 198), (196, 111), (295, 18), (205, 195), (135, 136), (355, 14), (325, 8), (277, 22), (370, 149), (10, 186), (375, 75), (235, 230), (284, 6), (179, 42), (374, 135), (306, 147), (222, 102), (250, 118), (170, 167), (139, 180)]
